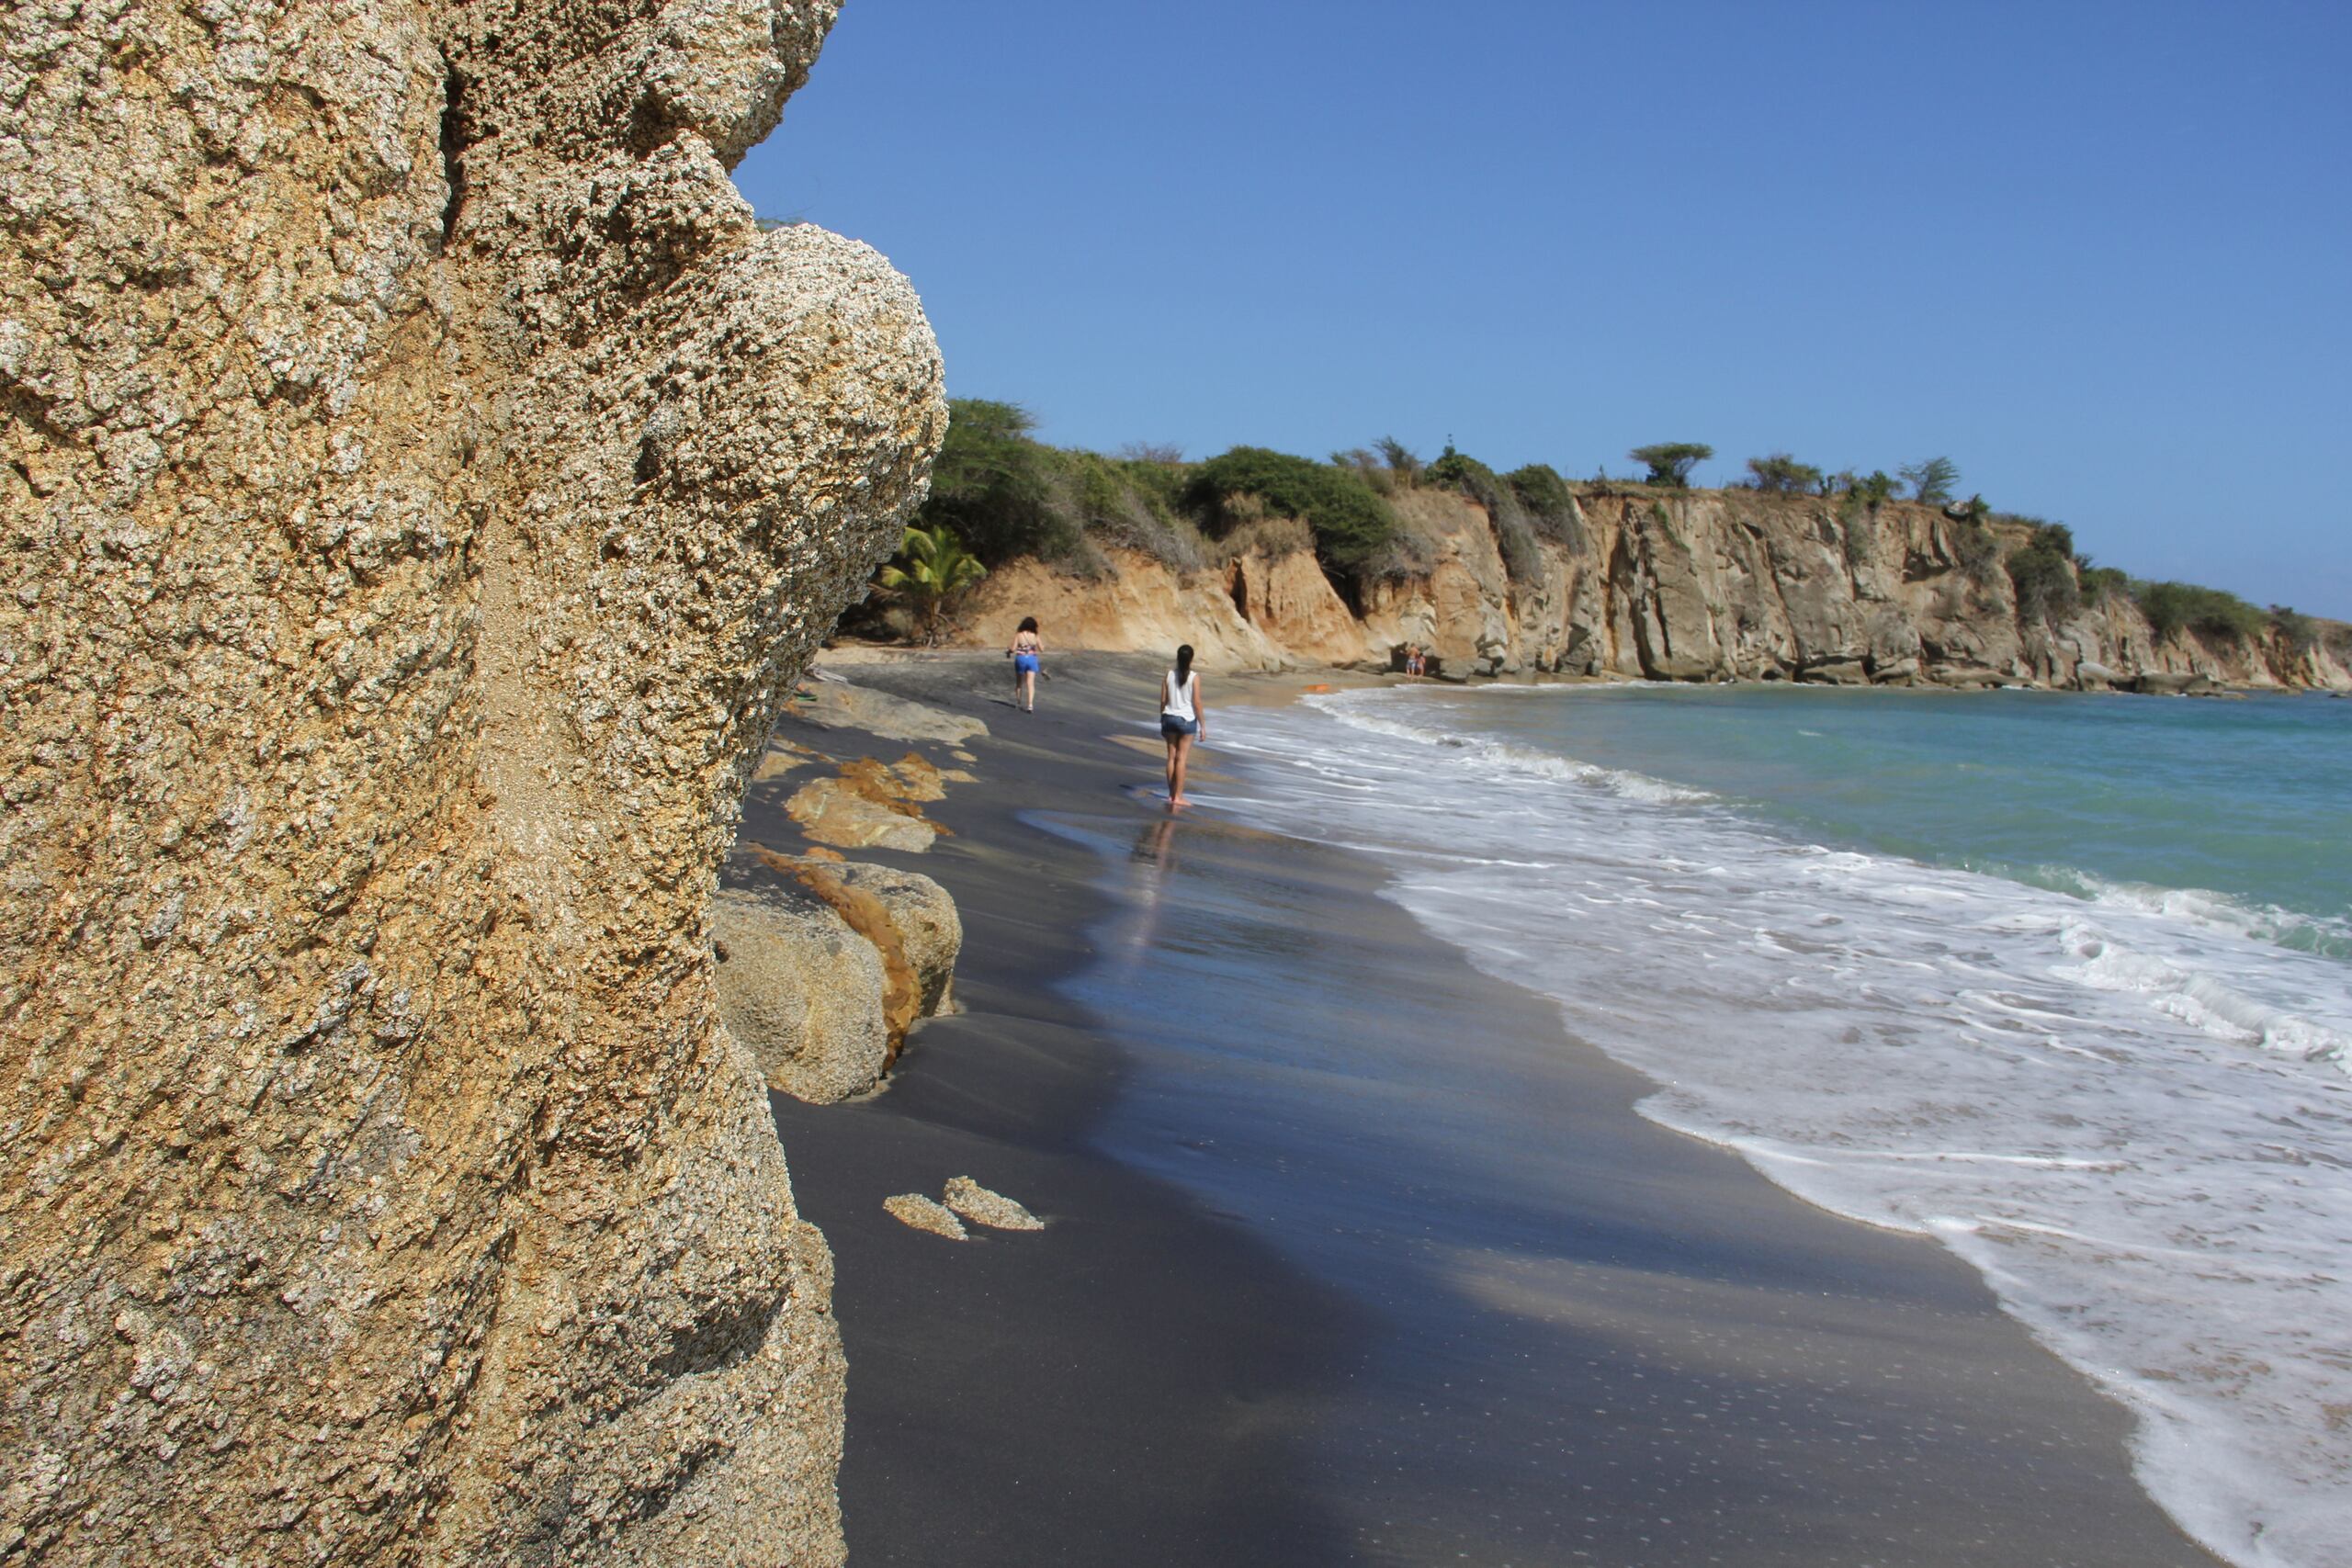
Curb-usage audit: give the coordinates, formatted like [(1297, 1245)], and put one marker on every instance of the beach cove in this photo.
[(1352, 1254)]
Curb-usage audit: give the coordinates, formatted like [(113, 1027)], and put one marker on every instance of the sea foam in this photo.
[(2128, 1108)]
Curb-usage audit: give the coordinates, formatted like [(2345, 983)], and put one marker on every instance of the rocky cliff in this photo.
[(1671, 585), (421, 478)]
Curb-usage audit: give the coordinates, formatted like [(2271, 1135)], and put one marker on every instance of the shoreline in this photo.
[(1650, 1204)]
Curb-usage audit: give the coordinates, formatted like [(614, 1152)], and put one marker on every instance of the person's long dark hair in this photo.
[(1183, 663), (1028, 622)]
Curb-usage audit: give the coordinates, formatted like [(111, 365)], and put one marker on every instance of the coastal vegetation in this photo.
[(930, 570), (1005, 495), (2042, 570), (2173, 607), (1000, 494), (1931, 478), (1514, 529), (1350, 521), (1781, 474)]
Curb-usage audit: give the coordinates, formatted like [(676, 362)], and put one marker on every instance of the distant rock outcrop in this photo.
[(422, 478), (1658, 584)]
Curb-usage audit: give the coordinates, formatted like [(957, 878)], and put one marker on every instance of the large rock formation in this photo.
[(420, 476)]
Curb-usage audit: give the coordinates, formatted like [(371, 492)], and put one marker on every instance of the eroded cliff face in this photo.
[(1732, 584), (1696, 585), (422, 478)]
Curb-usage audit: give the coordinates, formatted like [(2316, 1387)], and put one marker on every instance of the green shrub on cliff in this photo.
[(1550, 504), (1873, 489), (1401, 460), (1128, 504), (2042, 571), (2172, 607), (1781, 474), (1975, 549), (1514, 532), (1855, 516), (1007, 495), (2297, 632), (2099, 581), (1350, 519)]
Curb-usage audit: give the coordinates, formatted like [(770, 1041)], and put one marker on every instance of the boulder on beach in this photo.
[(801, 991), (929, 930), (910, 920), (835, 811), (2171, 684)]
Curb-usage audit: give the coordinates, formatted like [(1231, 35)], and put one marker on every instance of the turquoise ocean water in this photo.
[(2251, 799), (2063, 982)]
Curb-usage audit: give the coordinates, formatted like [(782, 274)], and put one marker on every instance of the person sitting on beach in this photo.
[(1027, 648), (1179, 720)]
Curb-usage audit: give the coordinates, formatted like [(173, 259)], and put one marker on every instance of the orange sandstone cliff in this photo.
[(1670, 585)]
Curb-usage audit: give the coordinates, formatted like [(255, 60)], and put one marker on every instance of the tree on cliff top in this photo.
[(1670, 462), (1932, 478), (1781, 474), (1401, 459), (2298, 632), (1350, 520)]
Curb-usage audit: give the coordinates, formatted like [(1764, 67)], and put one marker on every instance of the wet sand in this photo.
[(1354, 1255)]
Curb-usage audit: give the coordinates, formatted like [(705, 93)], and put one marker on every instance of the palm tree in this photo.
[(931, 567)]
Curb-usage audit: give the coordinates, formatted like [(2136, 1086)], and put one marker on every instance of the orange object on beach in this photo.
[(1323, 687)]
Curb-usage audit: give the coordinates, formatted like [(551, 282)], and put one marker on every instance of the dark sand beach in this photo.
[(1353, 1255)]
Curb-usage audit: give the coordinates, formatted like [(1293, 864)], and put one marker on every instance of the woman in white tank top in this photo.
[(1179, 720)]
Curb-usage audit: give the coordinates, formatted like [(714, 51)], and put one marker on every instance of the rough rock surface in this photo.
[(982, 1207), (909, 919), (801, 991), (923, 920), (421, 480)]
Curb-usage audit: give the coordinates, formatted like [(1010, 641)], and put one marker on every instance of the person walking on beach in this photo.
[(1179, 720), (1026, 650)]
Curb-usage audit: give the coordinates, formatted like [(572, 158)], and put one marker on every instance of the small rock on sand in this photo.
[(982, 1207), (925, 1214)]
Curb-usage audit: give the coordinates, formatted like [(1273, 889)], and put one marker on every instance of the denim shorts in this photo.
[(1024, 664), (1173, 726)]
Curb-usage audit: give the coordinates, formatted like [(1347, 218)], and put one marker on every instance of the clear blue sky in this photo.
[(2100, 254)]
